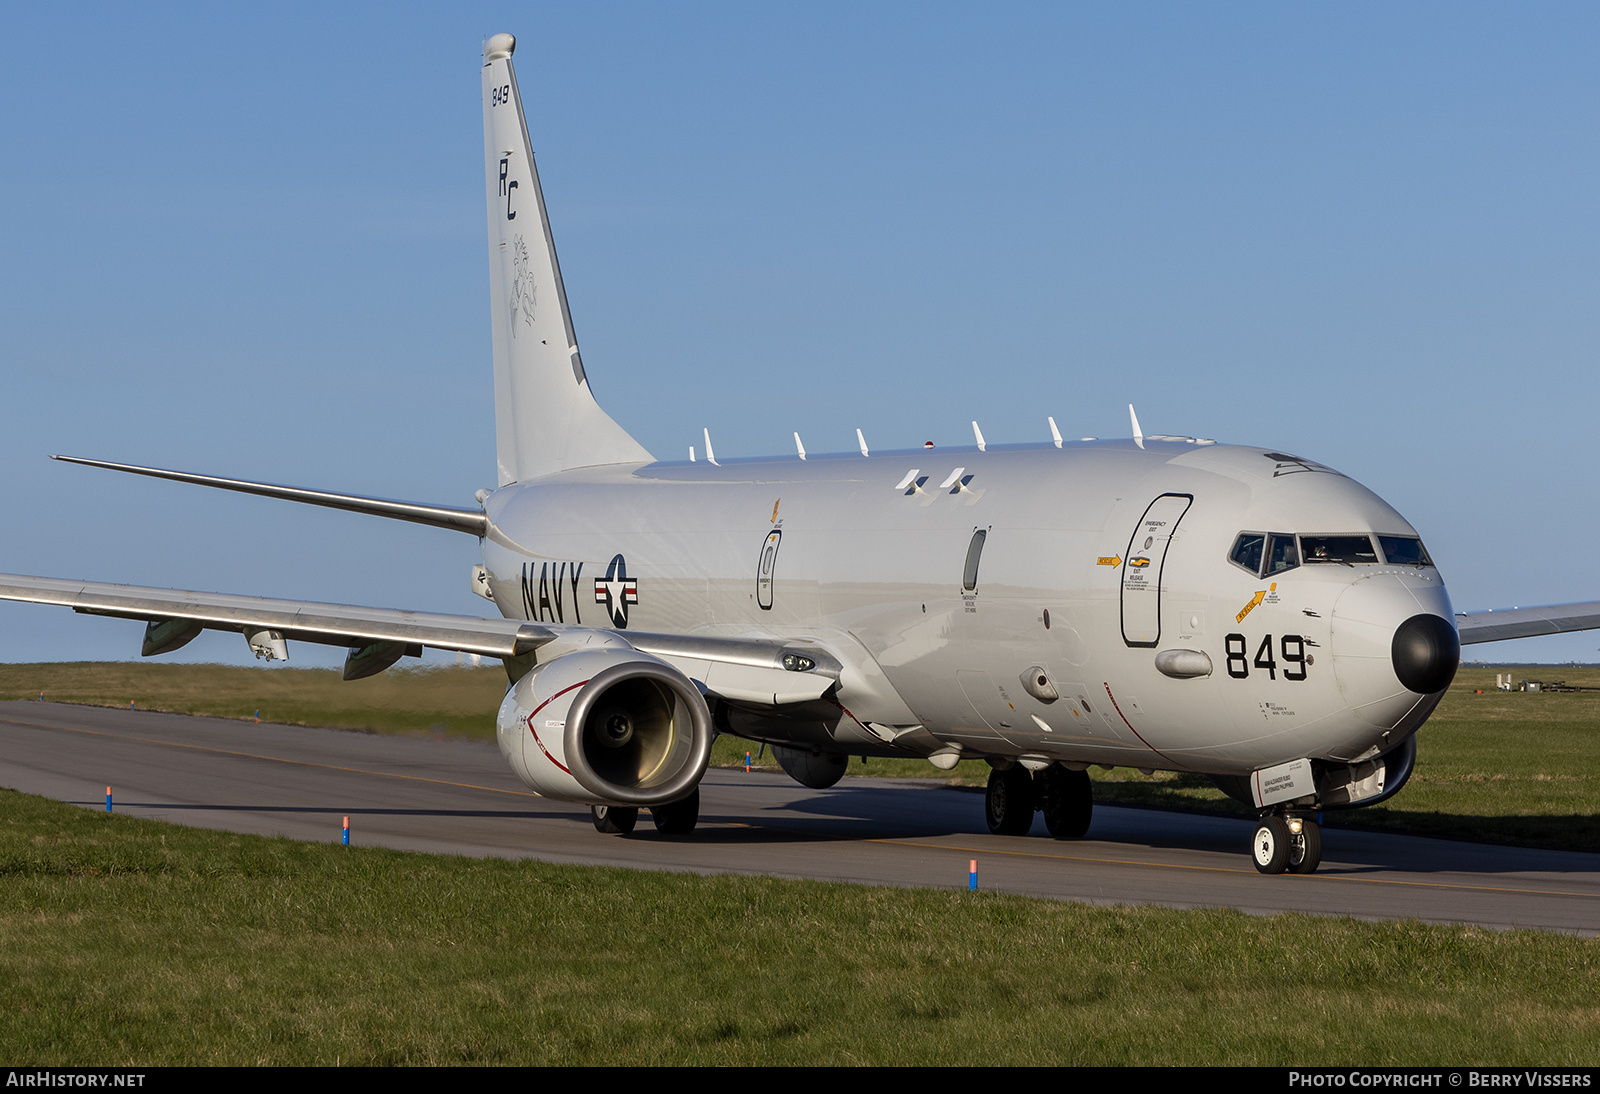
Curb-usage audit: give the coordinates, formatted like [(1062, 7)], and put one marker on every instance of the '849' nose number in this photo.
[(1292, 659)]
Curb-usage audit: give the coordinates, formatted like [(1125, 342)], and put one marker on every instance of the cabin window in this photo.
[(969, 574), (1404, 551), (1349, 550)]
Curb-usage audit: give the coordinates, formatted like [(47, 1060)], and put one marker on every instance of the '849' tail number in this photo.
[(1291, 659)]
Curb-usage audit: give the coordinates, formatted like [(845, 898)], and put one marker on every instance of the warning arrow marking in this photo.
[(1248, 608)]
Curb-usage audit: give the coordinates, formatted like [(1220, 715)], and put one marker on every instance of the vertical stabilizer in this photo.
[(546, 418)]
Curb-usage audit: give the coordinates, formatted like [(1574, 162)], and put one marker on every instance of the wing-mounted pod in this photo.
[(606, 726)]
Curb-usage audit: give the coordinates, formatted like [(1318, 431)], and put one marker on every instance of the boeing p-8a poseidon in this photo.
[(1158, 603)]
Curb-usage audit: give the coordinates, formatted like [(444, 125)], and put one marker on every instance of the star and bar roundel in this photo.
[(616, 591)]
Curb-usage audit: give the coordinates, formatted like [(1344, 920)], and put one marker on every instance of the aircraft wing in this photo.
[(1494, 626), (769, 672), (327, 624)]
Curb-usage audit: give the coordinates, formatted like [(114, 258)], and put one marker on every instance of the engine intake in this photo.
[(606, 727)]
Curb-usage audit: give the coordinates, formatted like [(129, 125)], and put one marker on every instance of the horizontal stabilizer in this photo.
[(1527, 622), (439, 516)]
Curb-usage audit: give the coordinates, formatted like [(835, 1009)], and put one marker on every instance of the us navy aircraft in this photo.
[(1159, 602)]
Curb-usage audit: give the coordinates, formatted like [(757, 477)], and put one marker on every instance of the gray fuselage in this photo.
[(1095, 558)]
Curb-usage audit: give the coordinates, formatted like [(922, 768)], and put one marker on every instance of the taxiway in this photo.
[(454, 796)]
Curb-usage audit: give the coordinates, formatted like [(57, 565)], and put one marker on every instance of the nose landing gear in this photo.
[(1287, 843)]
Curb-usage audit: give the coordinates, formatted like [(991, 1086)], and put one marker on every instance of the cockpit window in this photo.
[(1265, 553), (1247, 551), (1350, 550), (1281, 554), (1404, 551)]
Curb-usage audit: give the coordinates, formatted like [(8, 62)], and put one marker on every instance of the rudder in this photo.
[(546, 418)]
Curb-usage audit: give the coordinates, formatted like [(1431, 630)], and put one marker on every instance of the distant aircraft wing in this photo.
[(770, 672), (1527, 622)]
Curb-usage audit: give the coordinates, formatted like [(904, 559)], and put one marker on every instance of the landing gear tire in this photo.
[(614, 820), (1066, 798), (1269, 847), (1305, 852), (677, 818), (1008, 805)]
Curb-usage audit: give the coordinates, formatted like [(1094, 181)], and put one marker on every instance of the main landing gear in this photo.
[(677, 818), (1064, 797), (1287, 843), (614, 820), (673, 819)]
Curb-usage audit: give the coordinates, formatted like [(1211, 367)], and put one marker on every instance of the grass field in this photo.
[(458, 701), (128, 942), (1516, 767)]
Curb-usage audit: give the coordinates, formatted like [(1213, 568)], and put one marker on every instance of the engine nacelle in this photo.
[(606, 727)]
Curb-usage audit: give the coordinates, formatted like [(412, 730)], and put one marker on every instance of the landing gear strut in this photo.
[(1064, 797), (1287, 843)]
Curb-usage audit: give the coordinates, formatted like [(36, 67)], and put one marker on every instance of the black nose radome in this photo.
[(1426, 651)]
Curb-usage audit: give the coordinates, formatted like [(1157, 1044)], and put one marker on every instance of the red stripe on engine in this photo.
[(535, 732)]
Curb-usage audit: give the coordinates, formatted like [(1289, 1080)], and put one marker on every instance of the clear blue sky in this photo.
[(252, 243)]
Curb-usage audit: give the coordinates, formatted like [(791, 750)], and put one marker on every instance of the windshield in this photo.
[(1349, 550), (1281, 554), (1247, 551), (1267, 554), (1404, 551)]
